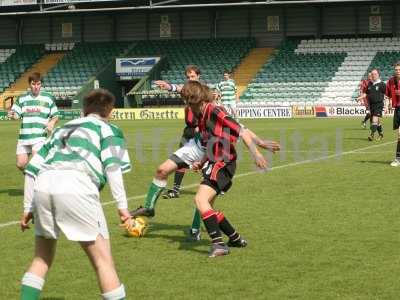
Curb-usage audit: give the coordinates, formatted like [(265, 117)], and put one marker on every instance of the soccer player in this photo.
[(376, 97), (192, 72), (364, 101), (219, 133), (393, 93), (39, 114), (227, 90), (62, 184)]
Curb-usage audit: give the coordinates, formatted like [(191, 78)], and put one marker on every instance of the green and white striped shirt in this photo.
[(88, 144), (227, 90), (35, 113)]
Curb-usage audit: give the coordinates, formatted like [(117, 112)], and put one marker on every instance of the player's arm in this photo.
[(116, 182), (53, 115), (259, 159), (164, 85), (27, 214), (15, 111)]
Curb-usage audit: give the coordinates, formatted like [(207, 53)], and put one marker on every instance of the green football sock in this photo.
[(196, 220), (31, 286), (29, 293), (155, 189)]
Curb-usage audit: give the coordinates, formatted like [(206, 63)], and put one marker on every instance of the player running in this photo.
[(39, 114), (364, 101), (62, 184), (376, 100), (219, 133)]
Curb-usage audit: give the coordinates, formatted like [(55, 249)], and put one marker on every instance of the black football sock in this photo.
[(178, 179), (227, 228), (373, 129), (398, 150), (367, 116), (211, 223), (379, 128)]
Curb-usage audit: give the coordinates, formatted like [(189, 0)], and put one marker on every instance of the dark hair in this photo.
[(99, 101), (226, 71), (396, 64), (376, 69), (193, 68), (34, 77)]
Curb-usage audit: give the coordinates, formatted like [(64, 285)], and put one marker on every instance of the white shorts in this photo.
[(230, 107), (190, 152), (68, 201), (28, 149)]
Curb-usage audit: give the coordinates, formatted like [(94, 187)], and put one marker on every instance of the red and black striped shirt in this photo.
[(190, 118), (392, 85), (219, 132)]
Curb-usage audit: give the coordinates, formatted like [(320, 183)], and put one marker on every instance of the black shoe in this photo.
[(171, 194), (142, 211), (240, 243), (371, 138)]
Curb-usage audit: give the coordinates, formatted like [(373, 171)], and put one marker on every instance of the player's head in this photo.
[(35, 83), (99, 102), (397, 69), (375, 74), (216, 94), (227, 75), (195, 95), (192, 72)]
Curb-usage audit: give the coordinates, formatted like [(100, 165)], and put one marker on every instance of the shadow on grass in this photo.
[(184, 243), (12, 192), (365, 139), (381, 162)]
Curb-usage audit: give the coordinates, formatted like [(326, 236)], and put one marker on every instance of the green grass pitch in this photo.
[(317, 228)]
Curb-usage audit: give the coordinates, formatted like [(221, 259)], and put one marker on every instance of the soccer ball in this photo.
[(138, 227)]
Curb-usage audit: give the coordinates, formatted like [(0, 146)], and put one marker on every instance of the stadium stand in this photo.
[(15, 61), (321, 71), (213, 56), (79, 64)]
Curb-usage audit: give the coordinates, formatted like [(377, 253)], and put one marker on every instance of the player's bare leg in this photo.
[(155, 189), (215, 222), (34, 278), (99, 253)]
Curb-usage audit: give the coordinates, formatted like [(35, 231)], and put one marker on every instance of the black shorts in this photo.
[(179, 162), (396, 118), (376, 110), (219, 175)]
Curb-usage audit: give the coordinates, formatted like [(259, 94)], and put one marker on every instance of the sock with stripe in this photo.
[(211, 224), (227, 228), (178, 179), (155, 190), (116, 294), (31, 286)]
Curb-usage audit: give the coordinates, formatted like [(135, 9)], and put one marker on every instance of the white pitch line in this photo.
[(250, 173)]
